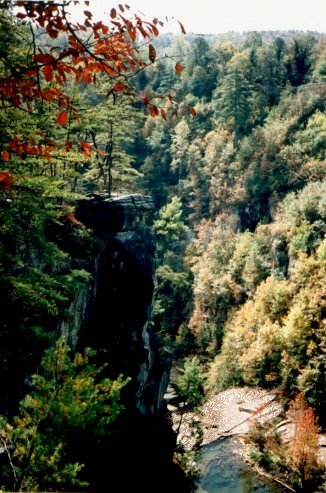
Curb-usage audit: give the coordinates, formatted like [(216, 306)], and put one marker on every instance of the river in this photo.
[(223, 470), (220, 460)]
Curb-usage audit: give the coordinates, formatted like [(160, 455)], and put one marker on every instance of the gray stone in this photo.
[(168, 397)]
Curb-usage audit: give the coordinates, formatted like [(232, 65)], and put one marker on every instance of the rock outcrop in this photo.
[(116, 322), (112, 312)]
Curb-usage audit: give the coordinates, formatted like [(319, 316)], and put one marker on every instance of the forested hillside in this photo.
[(227, 134), (249, 174)]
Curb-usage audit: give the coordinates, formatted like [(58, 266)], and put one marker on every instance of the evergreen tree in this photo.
[(299, 60), (234, 98), (173, 279), (68, 399), (114, 127)]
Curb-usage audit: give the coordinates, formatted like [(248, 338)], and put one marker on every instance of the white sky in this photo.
[(216, 16)]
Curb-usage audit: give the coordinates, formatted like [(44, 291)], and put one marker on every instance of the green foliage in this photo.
[(189, 384), (227, 270), (276, 336), (299, 58), (113, 126), (169, 227), (42, 266), (243, 179), (156, 167), (173, 278), (69, 398), (233, 99)]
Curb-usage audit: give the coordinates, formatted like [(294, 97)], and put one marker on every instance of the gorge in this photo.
[(162, 248)]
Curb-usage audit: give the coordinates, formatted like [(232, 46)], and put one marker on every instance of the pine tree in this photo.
[(234, 98), (69, 398)]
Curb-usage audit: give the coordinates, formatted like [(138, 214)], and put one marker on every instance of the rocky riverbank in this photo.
[(224, 420), (228, 413)]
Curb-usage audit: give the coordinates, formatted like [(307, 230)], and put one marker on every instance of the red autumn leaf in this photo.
[(113, 13), (86, 148), (62, 118), (142, 31), (182, 28), (5, 155), (119, 87), (143, 98), (152, 53), (153, 110), (88, 14), (15, 101), (44, 58), (133, 33), (192, 111), (53, 33), (72, 218), (121, 7), (101, 153), (109, 71), (6, 179), (178, 68), (40, 150), (155, 30), (47, 71), (68, 145)]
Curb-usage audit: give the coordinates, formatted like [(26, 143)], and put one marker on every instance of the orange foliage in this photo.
[(90, 48), (6, 179), (304, 445)]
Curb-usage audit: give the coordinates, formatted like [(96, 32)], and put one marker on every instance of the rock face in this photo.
[(107, 215), (112, 313), (114, 318)]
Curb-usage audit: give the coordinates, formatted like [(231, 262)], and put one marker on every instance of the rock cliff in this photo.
[(115, 320), (112, 313)]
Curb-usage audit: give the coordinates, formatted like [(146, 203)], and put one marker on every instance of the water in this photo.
[(224, 471)]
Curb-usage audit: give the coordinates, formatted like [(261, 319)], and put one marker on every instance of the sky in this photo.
[(217, 16)]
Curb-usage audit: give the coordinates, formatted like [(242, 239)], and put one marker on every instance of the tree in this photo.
[(63, 51), (201, 67), (304, 444), (69, 396), (169, 226), (233, 97), (179, 150), (299, 59), (189, 385), (113, 129), (173, 277)]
